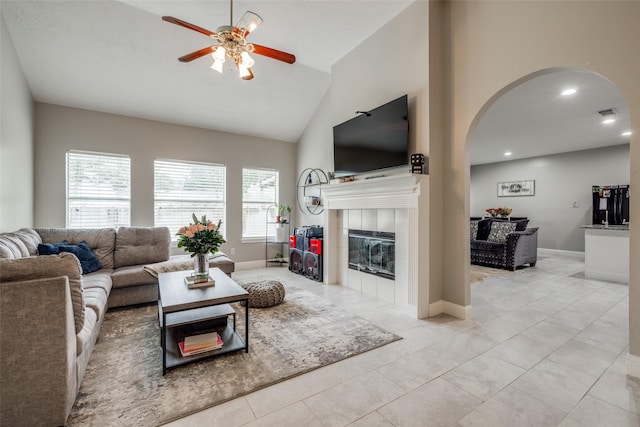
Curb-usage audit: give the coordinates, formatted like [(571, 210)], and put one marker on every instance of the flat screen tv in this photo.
[(376, 139)]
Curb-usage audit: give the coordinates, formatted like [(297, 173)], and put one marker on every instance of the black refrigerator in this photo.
[(610, 204)]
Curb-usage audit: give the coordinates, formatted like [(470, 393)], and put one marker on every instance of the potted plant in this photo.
[(201, 238), (500, 212), (280, 217)]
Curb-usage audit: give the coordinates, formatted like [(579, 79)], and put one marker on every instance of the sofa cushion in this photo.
[(83, 337), (484, 227), (474, 230), (500, 231), (101, 240), (185, 262), (36, 267), (19, 244), (99, 279), (96, 299), (132, 275), (521, 224), (88, 260), (142, 245)]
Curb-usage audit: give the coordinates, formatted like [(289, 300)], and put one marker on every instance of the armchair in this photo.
[(505, 246)]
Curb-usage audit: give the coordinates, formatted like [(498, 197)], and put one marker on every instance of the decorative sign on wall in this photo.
[(517, 188)]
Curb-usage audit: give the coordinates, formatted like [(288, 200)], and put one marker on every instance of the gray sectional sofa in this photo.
[(51, 313)]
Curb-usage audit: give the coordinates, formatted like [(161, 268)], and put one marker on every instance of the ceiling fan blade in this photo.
[(273, 53), (197, 54), (189, 26), (247, 24)]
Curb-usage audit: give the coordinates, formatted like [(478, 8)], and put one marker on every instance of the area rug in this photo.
[(124, 385)]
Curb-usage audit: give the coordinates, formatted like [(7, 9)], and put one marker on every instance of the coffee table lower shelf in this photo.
[(232, 342), (220, 318)]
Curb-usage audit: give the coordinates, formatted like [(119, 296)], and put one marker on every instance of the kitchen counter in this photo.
[(606, 252), (607, 227)]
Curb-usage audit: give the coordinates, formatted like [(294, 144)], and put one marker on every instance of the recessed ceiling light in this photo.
[(568, 92), (627, 133), (507, 153), (608, 121)]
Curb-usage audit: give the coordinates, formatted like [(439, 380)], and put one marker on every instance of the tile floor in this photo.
[(545, 348)]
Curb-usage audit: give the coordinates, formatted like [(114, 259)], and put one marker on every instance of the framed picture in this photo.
[(517, 188)]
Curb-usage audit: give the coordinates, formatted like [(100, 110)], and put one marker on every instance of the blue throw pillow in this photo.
[(88, 260), (51, 248)]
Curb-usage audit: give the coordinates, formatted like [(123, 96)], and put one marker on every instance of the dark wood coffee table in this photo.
[(183, 312)]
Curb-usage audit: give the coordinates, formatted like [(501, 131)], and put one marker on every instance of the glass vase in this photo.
[(201, 267)]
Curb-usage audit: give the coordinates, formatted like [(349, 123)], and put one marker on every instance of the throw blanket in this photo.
[(176, 263)]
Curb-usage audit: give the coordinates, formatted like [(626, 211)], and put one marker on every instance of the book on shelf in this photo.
[(199, 345), (193, 342)]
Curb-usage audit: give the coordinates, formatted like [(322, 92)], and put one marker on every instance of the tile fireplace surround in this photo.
[(406, 197)]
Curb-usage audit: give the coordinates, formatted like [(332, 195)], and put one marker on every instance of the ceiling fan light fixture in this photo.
[(220, 54), (247, 60), (247, 24), (243, 70), (217, 66), (232, 44)]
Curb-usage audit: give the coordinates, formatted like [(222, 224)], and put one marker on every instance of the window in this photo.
[(98, 190), (259, 191), (185, 188)]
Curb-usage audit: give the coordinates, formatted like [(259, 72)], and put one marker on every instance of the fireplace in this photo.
[(395, 203), (372, 252)]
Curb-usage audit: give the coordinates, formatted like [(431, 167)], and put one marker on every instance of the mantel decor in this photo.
[(516, 188)]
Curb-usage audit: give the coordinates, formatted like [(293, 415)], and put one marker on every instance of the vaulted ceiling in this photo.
[(120, 57)]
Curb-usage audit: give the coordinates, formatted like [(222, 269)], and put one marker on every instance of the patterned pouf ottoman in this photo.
[(265, 293)]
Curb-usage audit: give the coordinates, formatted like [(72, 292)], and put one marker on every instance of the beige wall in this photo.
[(16, 140), (59, 129), (493, 44), (315, 151), (392, 62)]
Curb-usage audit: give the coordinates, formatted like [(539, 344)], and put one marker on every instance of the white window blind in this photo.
[(98, 190), (184, 188), (259, 191)]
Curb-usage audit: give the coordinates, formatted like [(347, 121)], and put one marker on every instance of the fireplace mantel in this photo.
[(410, 192), (399, 191)]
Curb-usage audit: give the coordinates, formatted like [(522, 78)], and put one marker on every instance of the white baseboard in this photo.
[(633, 365), (249, 265), (551, 252), (458, 311), (455, 310), (436, 308)]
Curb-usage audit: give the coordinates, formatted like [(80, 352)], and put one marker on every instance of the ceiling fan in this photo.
[(232, 44)]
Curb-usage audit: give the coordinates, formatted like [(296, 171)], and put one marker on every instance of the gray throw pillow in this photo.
[(500, 231)]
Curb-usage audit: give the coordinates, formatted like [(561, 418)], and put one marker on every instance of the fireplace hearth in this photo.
[(372, 252)]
